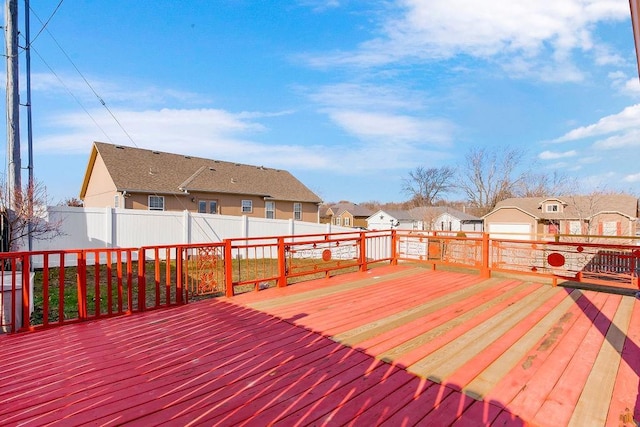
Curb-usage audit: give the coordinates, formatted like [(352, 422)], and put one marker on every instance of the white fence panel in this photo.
[(89, 228)]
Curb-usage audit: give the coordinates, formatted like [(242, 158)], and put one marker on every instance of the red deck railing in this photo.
[(44, 289)]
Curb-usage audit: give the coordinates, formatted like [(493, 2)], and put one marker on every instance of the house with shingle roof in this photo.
[(445, 218), (347, 214), (598, 214), (425, 218), (132, 178)]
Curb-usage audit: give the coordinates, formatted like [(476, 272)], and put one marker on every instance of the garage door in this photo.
[(510, 231)]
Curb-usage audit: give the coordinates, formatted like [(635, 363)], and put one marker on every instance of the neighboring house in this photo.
[(385, 220), (347, 214), (437, 218), (523, 218), (133, 178), (444, 218)]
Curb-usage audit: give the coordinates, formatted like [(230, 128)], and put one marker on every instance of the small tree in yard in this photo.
[(427, 185), (25, 213)]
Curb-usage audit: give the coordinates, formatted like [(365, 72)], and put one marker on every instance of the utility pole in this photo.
[(14, 182)]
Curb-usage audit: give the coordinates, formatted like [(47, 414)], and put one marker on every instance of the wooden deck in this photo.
[(391, 346)]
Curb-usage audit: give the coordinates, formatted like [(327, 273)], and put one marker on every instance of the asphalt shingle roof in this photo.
[(578, 207), (141, 170)]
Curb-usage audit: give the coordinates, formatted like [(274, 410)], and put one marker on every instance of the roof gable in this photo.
[(141, 170), (576, 207)]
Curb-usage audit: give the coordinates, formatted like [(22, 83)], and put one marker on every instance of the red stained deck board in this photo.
[(381, 309), (507, 388), (375, 415), (627, 383), (255, 369), (115, 370), (400, 289), (533, 393), (355, 313), (559, 404), (402, 333), (481, 314), (115, 395), (462, 377), (479, 413), (422, 406), (205, 402)]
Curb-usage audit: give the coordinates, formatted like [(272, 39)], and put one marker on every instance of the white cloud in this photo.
[(219, 134), (623, 140), (551, 155), (527, 38), (90, 92), (628, 119), (392, 128), (632, 178)]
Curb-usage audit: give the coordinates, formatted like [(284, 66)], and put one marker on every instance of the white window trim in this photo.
[(550, 206), (155, 208), (297, 211), (270, 207), (249, 204)]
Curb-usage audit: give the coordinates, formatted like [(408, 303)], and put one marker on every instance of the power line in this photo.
[(48, 20)]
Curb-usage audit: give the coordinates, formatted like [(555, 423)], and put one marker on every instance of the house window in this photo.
[(347, 221), (610, 228), (575, 227), (553, 207), (247, 206), (270, 210), (297, 211), (116, 201), (208, 206), (336, 220), (156, 203)]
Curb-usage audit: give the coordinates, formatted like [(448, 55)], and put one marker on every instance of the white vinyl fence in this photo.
[(90, 228)]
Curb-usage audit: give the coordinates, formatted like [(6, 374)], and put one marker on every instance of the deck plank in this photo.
[(627, 383), (445, 329), (390, 326), (543, 352), (477, 378), (541, 355), (561, 401), (594, 401)]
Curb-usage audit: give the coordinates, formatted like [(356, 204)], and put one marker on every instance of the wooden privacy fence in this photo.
[(78, 285)]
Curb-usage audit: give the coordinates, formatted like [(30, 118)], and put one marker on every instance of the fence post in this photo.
[(142, 279), (363, 251), (282, 264), (179, 273), (485, 271), (228, 268), (26, 292), (394, 247), (81, 279)]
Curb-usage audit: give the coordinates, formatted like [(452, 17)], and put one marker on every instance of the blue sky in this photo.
[(349, 96)]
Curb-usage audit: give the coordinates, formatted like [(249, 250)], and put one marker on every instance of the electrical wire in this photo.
[(44, 25)]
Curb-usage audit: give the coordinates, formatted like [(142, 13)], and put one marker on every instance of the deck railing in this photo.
[(86, 284)]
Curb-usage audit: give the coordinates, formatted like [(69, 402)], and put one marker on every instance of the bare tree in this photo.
[(28, 216), (545, 185), (72, 201), (427, 185), (489, 176)]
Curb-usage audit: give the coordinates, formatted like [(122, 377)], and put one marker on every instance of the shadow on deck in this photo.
[(391, 346)]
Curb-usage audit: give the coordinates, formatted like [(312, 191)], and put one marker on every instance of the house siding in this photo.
[(511, 216), (101, 190)]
